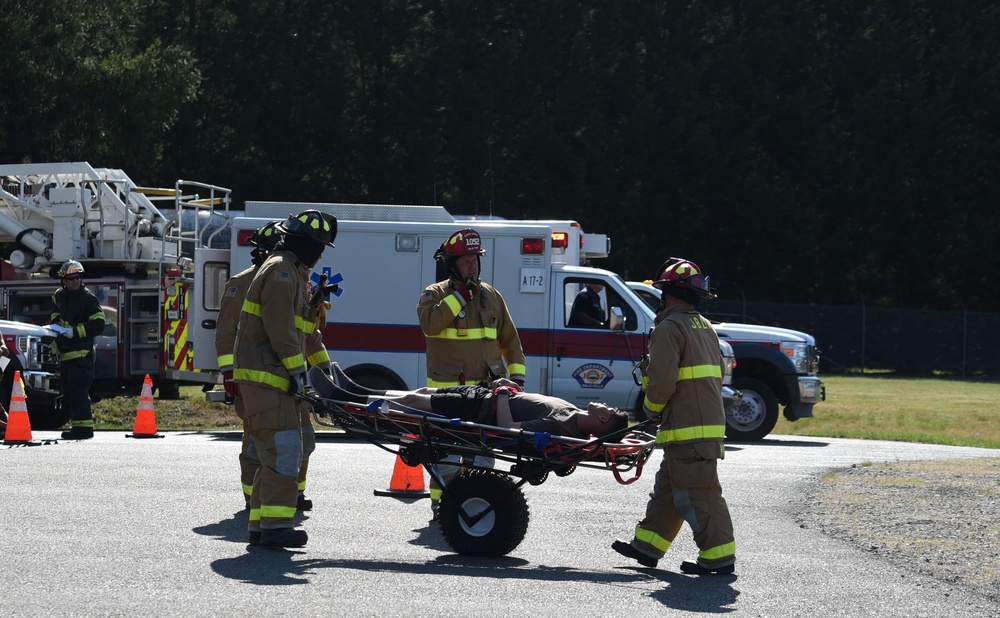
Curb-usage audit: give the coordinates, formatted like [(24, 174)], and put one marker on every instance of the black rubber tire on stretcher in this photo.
[(497, 533)]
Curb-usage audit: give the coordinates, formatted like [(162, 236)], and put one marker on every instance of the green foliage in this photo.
[(798, 150)]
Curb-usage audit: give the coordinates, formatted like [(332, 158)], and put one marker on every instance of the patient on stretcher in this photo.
[(502, 405)]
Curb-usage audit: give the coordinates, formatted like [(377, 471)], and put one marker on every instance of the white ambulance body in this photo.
[(382, 267)]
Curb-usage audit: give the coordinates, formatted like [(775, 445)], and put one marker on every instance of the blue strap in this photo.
[(375, 405), (541, 440)]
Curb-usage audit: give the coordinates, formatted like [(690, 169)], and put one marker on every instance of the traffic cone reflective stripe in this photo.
[(18, 424), (145, 418), (406, 482)]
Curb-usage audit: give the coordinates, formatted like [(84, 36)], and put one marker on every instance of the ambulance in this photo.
[(383, 260)]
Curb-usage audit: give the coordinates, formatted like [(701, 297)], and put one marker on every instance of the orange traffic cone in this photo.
[(145, 419), (407, 481), (18, 424)]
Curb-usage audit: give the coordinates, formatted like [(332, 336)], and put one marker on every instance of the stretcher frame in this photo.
[(483, 510)]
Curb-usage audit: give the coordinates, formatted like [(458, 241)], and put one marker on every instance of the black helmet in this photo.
[(311, 224), (70, 268), (267, 236)]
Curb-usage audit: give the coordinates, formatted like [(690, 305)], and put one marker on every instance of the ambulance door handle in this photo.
[(208, 324), (559, 353)]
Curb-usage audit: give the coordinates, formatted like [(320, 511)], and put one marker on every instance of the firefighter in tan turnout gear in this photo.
[(469, 331), (263, 241), (276, 342), (683, 383)]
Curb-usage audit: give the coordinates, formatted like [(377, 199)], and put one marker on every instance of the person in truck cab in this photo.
[(587, 311), (469, 332), (683, 384), (78, 318)]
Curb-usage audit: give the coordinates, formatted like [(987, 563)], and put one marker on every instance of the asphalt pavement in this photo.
[(116, 526)]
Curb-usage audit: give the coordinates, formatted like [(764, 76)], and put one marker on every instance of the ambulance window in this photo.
[(216, 275)]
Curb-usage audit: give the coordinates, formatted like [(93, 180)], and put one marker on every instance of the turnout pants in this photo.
[(249, 462), (76, 376), (275, 426), (687, 489)]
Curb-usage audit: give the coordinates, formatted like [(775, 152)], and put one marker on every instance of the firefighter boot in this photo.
[(283, 537), (695, 568), (303, 503), (629, 551), (78, 433)]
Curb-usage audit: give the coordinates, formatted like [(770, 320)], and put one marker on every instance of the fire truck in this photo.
[(137, 259)]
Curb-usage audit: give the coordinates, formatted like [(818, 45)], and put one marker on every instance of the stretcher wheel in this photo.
[(500, 530)]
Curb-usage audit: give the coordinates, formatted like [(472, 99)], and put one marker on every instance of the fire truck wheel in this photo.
[(500, 530), (168, 390)]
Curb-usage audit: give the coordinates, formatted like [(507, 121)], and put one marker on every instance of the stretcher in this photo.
[(483, 510)]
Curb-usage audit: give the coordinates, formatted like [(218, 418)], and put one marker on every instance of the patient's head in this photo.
[(601, 419)]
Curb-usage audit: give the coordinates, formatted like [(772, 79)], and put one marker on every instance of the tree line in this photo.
[(808, 151)]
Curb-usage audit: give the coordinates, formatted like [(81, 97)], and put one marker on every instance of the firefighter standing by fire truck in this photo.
[(263, 241), (78, 318), (276, 341), (468, 329), (683, 384)]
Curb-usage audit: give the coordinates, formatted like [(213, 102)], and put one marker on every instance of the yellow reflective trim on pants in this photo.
[(699, 371), (719, 552), (436, 493), (700, 432), (262, 377), (277, 512), (470, 334), (72, 355), (436, 384), (648, 536), (255, 515), (247, 489)]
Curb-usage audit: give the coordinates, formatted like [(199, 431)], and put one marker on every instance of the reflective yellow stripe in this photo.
[(294, 362), (251, 308), (469, 333), (436, 384), (319, 357), (97, 315), (453, 303), (89, 424), (648, 536), (655, 407), (247, 489), (262, 377), (304, 325), (74, 354), (699, 371), (226, 360), (277, 512), (719, 552), (302, 485), (700, 432), (436, 493), (516, 369), (255, 515)]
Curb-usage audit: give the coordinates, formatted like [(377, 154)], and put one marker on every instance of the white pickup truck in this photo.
[(773, 366), (31, 354)]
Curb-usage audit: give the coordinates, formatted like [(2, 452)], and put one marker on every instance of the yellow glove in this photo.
[(321, 316)]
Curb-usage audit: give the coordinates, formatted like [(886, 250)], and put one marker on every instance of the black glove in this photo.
[(297, 384)]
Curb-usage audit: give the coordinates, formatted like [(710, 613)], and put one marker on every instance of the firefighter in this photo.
[(683, 384), (78, 317), (469, 331), (263, 241), (276, 341)]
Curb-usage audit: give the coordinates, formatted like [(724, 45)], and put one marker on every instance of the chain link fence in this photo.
[(904, 342)]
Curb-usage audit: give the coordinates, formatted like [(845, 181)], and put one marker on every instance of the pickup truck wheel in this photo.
[(753, 417)]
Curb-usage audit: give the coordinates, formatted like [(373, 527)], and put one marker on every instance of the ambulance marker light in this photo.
[(532, 246), (243, 238), (560, 241)]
